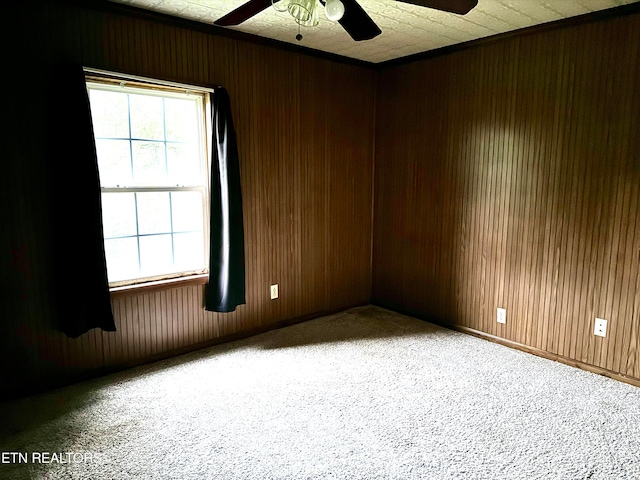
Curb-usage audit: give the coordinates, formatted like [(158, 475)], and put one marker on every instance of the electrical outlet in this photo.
[(601, 327), (274, 291), (502, 315)]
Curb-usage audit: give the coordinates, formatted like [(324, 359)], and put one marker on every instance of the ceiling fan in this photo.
[(348, 13)]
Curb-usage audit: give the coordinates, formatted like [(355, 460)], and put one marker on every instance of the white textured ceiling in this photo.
[(406, 29)]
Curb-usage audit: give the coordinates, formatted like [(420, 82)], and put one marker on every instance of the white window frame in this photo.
[(102, 80)]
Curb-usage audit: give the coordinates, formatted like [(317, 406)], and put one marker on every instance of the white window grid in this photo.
[(156, 89)]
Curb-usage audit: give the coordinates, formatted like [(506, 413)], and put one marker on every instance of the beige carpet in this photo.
[(365, 394)]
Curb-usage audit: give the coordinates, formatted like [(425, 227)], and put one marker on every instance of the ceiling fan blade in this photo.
[(243, 12), (461, 7), (357, 23)]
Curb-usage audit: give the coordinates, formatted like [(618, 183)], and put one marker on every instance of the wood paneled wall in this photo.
[(307, 188), (508, 175)]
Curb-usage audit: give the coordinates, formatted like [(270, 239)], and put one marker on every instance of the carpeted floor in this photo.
[(364, 394)]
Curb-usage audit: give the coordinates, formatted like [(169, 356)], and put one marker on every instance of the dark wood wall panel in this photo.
[(307, 189), (508, 175)]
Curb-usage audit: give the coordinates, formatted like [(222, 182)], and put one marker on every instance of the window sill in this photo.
[(159, 285)]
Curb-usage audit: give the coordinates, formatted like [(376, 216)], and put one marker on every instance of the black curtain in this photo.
[(226, 287), (82, 299)]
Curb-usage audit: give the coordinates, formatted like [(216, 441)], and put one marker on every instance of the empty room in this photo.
[(298, 239)]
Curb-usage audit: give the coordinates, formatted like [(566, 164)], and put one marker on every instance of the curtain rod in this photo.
[(137, 78)]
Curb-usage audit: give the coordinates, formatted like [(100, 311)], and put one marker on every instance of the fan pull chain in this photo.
[(298, 36)]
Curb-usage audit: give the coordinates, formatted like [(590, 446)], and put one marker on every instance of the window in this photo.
[(151, 151)]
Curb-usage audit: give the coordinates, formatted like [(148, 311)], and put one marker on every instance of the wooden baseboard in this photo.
[(226, 339), (518, 346), (70, 378)]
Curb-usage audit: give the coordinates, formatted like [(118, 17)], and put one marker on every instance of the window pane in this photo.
[(109, 113), (145, 143), (122, 258), (183, 162), (147, 118), (156, 257), (181, 115), (186, 209), (154, 213), (114, 162), (118, 214), (149, 166), (189, 251)]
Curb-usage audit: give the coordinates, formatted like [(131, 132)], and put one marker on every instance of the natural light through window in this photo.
[(151, 158)]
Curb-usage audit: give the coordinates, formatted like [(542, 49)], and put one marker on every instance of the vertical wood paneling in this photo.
[(535, 194), (306, 186), (506, 175)]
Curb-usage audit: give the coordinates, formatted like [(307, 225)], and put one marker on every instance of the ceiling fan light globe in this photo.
[(280, 5), (334, 10), (304, 12)]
